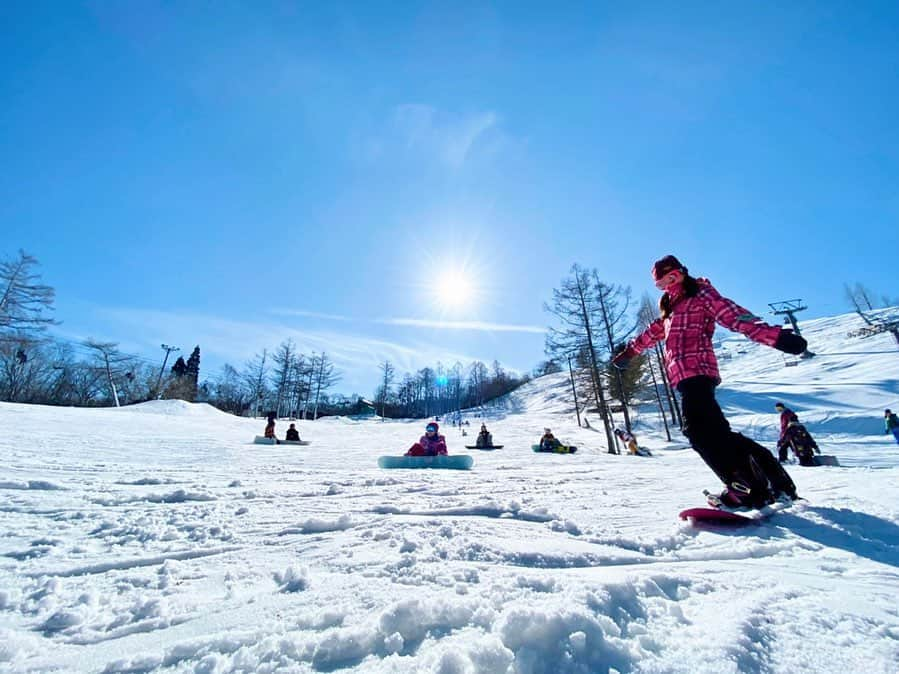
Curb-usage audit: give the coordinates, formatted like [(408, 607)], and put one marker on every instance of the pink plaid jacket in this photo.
[(688, 332)]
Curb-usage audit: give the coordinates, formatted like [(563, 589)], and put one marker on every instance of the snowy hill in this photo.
[(158, 538)]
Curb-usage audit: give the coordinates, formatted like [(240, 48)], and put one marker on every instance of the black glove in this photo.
[(623, 359), (789, 342)]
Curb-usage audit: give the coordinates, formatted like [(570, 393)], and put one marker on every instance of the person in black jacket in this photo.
[(797, 438), (293, 435)]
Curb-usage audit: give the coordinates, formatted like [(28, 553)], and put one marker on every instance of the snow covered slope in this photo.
[(158, 538)]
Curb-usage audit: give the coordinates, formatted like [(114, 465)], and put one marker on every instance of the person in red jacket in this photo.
[(786, 417), (430, 444), (689, 309)]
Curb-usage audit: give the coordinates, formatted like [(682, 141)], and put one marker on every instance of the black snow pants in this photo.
[(733, 456)]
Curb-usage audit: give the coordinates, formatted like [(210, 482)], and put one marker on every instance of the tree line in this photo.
[(437, 390), (284, 382), (38, 368)]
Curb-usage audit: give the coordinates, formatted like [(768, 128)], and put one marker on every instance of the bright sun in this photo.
[(453, 289)]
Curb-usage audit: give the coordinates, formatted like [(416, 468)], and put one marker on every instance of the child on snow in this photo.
[(689, 309), (430, 444), (293, 435), (270, 427)]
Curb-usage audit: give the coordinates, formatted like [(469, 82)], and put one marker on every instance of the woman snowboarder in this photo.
[(689, 309)]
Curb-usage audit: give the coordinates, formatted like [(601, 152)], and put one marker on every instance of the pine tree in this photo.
[(192, 375), (179, 368)]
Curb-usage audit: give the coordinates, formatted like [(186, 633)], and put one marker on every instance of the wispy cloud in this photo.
[(462, 325), (278, 311), (451, 138), (358, 356)]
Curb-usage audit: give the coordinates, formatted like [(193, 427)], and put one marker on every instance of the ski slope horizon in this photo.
[(157, 537)]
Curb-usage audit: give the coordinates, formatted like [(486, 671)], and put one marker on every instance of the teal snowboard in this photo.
[(457, 462)]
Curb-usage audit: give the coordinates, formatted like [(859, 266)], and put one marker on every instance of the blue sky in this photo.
[(232, 174)]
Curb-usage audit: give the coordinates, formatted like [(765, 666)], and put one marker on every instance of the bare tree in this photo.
[(477, 381), (112, 361), (383, 394), (19, 363), (859, 297), (575, 305), (283, 372), (646, 315), (325, 378), (255, 374), (875, 323), (23, 300), (614, 302)]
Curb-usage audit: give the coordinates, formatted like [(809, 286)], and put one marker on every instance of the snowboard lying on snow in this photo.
[(261, 440), (484, 447), (456, 461), (825, 460), (564, 449)]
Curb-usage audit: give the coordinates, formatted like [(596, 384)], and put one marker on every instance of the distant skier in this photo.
[(689, 309), (430, 444), (485, 438), (891, 424), (786, 416), (293, 435)]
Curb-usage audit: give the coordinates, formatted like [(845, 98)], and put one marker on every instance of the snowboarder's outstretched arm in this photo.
[(732, 316), (654, 332)]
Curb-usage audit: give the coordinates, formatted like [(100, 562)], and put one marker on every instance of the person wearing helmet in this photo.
[(430, 444)]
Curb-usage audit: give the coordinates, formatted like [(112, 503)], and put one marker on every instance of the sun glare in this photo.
[(453, 289)]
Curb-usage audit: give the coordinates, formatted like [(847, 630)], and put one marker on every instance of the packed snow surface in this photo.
[(159, 538)]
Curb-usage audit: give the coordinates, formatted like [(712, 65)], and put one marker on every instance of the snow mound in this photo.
[(175, 408)]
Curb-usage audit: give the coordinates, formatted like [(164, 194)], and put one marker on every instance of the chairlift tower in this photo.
[(790, 308)]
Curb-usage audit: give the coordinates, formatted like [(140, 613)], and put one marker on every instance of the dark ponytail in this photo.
[(690, 287)]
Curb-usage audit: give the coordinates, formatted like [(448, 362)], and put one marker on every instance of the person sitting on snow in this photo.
[(801, 442), (293, 435), (628, 440), (430, 444), (270, 427), (549, 442), (485, 438)]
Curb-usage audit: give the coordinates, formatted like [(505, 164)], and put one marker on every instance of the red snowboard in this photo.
[(727, 518), (716, 516)]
